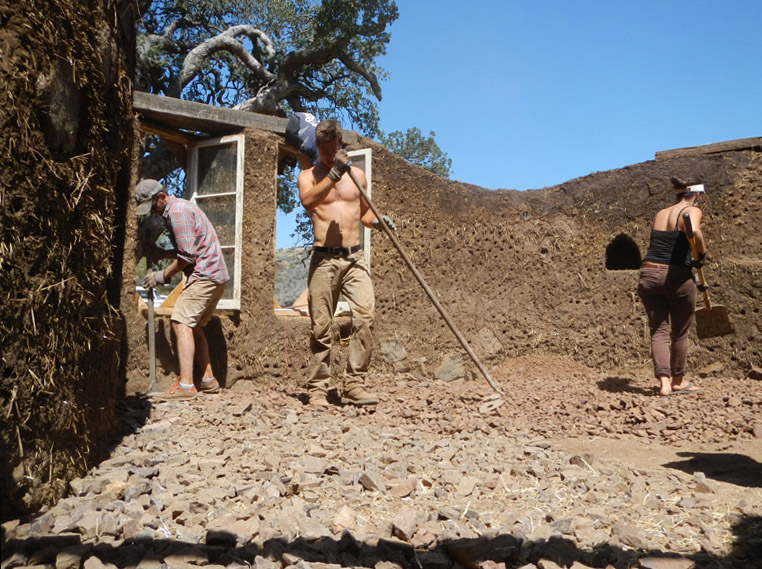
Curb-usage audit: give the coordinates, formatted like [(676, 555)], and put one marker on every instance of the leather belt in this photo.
[(338, 251), (664, 267)]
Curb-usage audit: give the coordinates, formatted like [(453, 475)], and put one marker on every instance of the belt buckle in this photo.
[(338, 251)]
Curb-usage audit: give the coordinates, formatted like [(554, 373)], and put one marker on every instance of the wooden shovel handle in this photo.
[(689, 234), (151, 341), (424, 285)]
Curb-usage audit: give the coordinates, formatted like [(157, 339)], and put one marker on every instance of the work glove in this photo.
[(387, 220), (341, 164), (341, 160), (698, 263), (153, 279)]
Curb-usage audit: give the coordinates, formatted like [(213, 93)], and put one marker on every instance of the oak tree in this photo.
[(268, 56), (418, 149)]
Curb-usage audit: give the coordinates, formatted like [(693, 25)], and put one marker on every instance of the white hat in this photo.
[(695, 189)]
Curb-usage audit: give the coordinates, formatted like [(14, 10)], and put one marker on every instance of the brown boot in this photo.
[(356, 395), (318, 399)]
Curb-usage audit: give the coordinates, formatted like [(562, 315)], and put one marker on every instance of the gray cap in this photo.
[(145, 191)]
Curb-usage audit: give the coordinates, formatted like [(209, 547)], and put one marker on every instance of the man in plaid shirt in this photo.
[(196, 253)]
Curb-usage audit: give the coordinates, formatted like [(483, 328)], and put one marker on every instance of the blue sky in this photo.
[(530, 94)]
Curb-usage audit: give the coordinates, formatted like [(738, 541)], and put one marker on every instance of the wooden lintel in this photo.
[(303, 160), (189, 115), (166, 133)]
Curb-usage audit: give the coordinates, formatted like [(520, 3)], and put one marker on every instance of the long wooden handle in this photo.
[(689, 234), (425, 286), (151, 341)]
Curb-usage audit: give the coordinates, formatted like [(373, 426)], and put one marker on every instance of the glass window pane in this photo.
[(229, 255), (359, 161), (221, 213), (217, 169)]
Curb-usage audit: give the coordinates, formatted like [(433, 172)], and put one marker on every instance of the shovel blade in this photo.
[(490, 403), (711, 322)]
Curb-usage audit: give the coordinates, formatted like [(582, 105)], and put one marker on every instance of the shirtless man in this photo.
[(338, 266)]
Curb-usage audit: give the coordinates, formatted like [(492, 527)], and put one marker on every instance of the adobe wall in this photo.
[(518, 272), (529, 268), (253, 343), (66, 144)]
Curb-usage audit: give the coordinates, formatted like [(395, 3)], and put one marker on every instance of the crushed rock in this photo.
[(258, 479)]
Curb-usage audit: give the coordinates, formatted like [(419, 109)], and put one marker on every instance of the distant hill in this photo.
[(291, 267)]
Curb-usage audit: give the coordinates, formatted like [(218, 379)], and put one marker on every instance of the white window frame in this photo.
[(366, 232), (235, 302)]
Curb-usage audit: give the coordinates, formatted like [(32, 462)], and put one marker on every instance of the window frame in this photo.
[(365, 232), (192, 195)]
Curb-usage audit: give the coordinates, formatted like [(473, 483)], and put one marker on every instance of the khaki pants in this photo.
[(328, 278)]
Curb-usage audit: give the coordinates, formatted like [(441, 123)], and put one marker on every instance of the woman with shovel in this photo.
[(667, 288)]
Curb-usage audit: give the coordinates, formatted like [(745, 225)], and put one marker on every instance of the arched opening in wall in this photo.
[(622, 253)]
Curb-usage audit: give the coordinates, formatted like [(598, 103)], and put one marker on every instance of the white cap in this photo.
[(695, 189)]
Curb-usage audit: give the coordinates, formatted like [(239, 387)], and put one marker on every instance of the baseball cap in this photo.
[(145, 191)]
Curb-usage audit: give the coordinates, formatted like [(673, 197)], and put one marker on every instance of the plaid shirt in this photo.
[(195, 241)]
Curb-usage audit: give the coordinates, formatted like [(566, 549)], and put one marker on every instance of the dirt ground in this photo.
[(577, 468), (559, 398), (526, 269)]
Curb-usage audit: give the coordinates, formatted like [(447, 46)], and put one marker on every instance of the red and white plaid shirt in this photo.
[(196, 241)]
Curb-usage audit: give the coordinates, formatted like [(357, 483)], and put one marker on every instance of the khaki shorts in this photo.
[(196, 303)]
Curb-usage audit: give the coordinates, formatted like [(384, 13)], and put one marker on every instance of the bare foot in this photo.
[(666, 386), (684, 387), (679, 384)]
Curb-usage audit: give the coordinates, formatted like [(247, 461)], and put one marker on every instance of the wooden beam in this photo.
[(167, 133), (302, 159), (192, 116), (754, 143)]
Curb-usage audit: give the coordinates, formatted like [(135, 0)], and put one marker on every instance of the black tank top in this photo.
[(669, 247)]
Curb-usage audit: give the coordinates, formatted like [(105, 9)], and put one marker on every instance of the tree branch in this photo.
[(262, 48), (361, 70), (286, 84)]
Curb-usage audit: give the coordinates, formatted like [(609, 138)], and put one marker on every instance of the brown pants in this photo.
[(328, 278), (668, 293)]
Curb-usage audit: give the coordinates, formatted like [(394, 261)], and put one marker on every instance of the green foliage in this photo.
[(286, 56), (288, 200), (303, 230), (288, 195), (420, 150), (315, 56)]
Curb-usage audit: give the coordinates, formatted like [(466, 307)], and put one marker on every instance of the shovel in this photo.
[(151, 342), (711, 320), (490, 402)]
